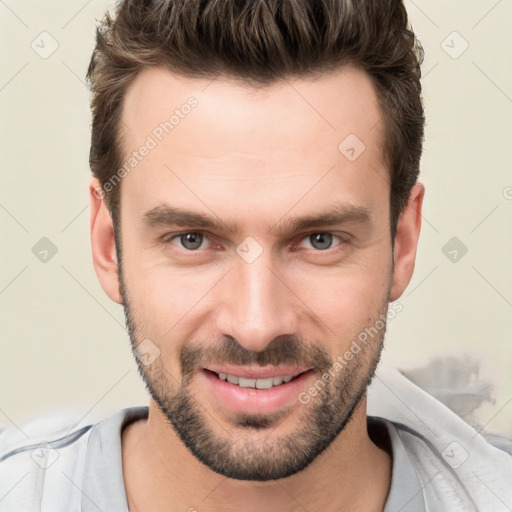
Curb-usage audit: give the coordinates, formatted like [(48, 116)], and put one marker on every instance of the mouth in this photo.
[(255, 390), (256, 383)]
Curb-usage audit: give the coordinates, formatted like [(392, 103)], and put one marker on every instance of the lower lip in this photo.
[(252, 400)]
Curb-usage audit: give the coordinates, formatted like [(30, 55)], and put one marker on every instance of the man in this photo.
[(255, 209)]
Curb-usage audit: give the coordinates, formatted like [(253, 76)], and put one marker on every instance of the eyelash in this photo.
[(343, 240)]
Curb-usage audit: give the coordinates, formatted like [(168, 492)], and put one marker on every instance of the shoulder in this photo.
[(45, 452), (459, 469)]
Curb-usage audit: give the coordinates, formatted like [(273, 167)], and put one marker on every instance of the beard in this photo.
[(252, 450)]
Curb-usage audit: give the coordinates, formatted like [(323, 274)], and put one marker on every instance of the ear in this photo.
[(406, 242), (103, 244)]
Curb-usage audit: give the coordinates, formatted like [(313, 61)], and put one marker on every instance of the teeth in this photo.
[(232, 379), (246, 383), (265, 383), (256, 383)]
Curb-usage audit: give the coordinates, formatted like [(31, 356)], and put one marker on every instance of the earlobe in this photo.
[(406, 242), (103, 243)]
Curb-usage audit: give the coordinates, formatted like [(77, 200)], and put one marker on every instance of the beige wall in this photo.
[(63, 342)]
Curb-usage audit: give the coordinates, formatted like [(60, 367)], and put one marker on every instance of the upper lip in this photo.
[(257, 372)]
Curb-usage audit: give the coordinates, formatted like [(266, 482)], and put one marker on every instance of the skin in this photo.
[(256, 157)]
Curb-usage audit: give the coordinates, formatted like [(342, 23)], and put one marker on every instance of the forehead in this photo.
[(217, 142)]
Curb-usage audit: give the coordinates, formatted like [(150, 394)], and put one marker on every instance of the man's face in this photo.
[(269, 296)]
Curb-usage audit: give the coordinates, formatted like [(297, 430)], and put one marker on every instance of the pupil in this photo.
[(191, 240), (321, 240)]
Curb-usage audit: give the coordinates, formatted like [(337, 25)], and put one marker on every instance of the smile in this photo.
[(244, 382), (259, 391)]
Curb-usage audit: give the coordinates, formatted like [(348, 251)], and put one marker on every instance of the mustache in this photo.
[(282, 350)]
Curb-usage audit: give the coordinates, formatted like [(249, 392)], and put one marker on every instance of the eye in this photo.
[(191, 240), (322, 241)]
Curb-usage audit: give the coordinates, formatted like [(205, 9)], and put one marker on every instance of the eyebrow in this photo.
[(166, 215)]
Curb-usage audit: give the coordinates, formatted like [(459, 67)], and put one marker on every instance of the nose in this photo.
[(258, 304)]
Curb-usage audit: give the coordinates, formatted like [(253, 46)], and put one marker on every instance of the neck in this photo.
[(160, 473)]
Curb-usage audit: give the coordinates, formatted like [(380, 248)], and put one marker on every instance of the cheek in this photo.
[(169, 301), (346, 300)]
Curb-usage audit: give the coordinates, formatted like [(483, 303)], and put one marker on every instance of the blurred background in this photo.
[(63, 342)]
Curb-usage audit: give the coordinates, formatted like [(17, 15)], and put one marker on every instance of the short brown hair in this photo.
[(260, 42)]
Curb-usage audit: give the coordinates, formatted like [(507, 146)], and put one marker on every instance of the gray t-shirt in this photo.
[(440, 464), (87, 466)]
